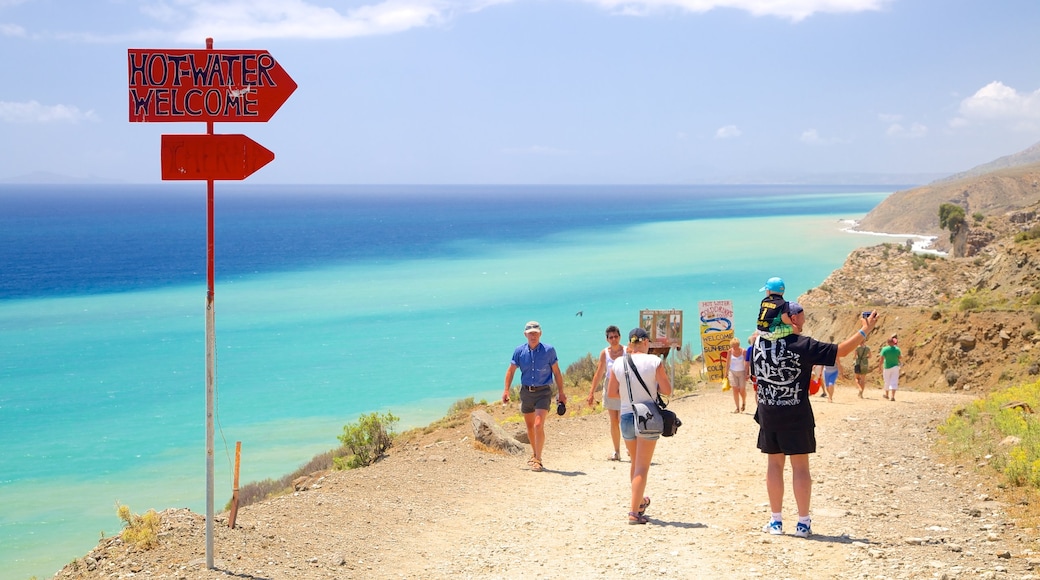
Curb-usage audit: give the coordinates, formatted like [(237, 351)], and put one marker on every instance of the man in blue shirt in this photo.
[(538, 368)]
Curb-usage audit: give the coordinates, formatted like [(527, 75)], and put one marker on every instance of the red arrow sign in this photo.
[(205, 85), (205, 157)]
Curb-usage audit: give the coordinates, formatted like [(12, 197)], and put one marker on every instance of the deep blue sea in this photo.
[(331, 301)]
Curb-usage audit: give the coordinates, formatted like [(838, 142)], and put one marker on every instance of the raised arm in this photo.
[(860, 336)]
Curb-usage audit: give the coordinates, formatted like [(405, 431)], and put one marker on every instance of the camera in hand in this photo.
[(866, 314)]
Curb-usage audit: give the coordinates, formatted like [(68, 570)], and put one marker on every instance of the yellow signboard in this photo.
[(716, 331)]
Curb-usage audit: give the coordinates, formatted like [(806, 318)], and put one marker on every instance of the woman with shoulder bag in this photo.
[(625, 383)]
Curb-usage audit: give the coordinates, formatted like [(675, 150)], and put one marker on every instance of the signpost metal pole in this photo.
[(211, 356)]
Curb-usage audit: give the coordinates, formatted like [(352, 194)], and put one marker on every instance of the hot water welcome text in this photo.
[(199, 85)]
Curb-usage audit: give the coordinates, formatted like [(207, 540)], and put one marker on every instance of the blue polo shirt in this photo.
[(535, 365)]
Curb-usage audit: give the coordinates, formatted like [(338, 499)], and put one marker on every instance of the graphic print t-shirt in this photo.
[(783, 368)]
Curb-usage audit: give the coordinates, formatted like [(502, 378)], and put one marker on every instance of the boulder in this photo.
[(491, 434)]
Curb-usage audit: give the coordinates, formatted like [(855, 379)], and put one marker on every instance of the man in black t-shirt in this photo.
[(782, 368)]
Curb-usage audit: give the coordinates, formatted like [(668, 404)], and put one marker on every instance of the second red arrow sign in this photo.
[(205, 157)]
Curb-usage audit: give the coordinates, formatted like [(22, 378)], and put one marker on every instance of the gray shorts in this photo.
[(532, 398)]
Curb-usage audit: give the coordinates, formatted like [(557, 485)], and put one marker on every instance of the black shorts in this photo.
[(787, 442)]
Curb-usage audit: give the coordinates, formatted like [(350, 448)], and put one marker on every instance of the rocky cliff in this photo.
[(969, 323)]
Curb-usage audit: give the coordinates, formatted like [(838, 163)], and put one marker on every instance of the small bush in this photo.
[(1030, 234), (581, 370), (969, 302), (978, 217), (367, 440), (141, 532), (461, 406)]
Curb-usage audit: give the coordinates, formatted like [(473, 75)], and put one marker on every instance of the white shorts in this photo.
[(891, 378)]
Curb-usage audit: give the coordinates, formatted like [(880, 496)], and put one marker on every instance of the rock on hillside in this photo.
[(964, 323)]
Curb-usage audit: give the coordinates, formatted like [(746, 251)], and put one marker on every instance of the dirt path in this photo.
[(882, 508)]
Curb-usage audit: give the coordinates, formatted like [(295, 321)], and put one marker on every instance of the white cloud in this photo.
[(727, 132), (238, 20), (11, 30), (915, 131), (794, 10), (997, 103), (812, 137), (34, 112), (538, 150)]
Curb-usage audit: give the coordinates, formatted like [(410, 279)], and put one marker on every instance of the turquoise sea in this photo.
[(331, 301)]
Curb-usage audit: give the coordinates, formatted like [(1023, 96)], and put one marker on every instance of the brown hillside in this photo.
[(916, 211)]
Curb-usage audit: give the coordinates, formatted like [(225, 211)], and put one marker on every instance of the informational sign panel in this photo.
[(716, 331), (178, 85), (663, 326)]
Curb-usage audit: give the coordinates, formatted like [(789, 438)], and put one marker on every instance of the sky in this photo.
[(544, 91)]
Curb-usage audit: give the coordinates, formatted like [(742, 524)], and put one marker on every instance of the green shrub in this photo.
[(141, 532), (461, 406), (969, 302), (1030, 234), (581, 370), (951, 217), (367, 440), (978, 217)]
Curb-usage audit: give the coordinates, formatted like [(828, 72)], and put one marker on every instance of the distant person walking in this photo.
[(538, 367), (607, 357), (785, 419), (624, 384), (830, 378), (889, 358), (860, 367), (737, 373)]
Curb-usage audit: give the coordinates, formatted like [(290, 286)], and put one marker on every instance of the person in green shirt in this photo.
[(889, 363)]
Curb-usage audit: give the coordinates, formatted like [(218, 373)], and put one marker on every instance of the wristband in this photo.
[(863, 334)]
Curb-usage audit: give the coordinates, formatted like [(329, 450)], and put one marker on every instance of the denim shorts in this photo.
[(628, 429)]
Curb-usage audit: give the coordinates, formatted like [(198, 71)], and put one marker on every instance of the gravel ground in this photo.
[(884, 506)]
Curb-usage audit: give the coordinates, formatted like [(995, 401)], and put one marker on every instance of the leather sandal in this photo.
[(638, 519)]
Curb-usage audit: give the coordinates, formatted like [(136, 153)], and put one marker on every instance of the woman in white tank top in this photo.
[(738, 374), (611, 404)]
